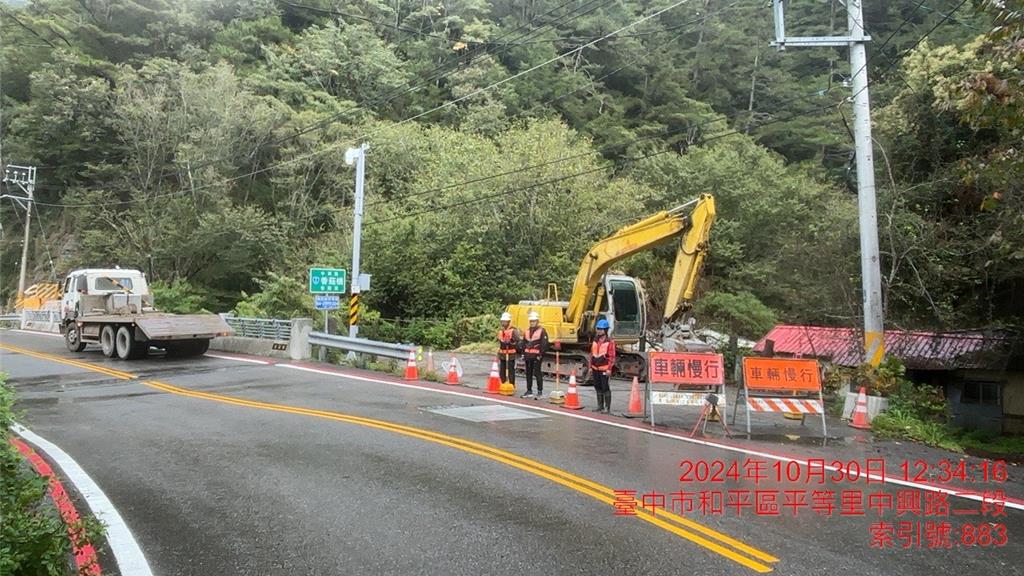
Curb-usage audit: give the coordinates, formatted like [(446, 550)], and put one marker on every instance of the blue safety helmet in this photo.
[(602, 324)]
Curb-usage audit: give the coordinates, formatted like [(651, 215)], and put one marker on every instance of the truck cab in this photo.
[(104, 291)]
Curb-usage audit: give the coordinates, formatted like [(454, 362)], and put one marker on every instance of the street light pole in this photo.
[(357, 155)]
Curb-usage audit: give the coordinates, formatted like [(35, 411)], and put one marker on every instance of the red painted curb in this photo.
[(85, 555)]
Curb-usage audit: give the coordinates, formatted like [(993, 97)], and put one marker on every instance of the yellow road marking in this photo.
[(77, 363), (582, 485)]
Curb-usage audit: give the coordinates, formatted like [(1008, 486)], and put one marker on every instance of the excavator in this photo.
[(597, 293)]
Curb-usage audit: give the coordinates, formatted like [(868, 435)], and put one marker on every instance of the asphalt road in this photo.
[(227, 467)]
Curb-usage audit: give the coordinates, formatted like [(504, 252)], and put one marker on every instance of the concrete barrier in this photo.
[(875, 405), (45, 320), (296, 348)]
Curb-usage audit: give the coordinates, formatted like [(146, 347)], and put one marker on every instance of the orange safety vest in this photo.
[(599, 353), (505, 343), (532, 343)]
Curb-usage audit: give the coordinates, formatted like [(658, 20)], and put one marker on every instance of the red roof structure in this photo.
[(917, 350)]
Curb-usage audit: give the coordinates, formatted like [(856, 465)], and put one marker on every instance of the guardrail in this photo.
[(264, 328), (41, 316), (362, 345), (10, 318)]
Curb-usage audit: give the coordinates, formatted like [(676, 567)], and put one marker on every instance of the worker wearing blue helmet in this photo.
[(602, 359)]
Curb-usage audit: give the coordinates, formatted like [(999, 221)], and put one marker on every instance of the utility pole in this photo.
[(357, 155), (25, 178), (871, 276)]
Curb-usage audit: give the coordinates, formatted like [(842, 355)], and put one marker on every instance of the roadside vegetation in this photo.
[(204, 143), (920, 413), (33, 539)]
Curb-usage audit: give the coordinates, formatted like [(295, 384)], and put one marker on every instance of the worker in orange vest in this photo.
[(535, 344), (602, 359), (508, 347)]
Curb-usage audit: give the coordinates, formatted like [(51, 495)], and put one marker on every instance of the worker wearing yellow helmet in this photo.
[(535, 344), (508, 347)]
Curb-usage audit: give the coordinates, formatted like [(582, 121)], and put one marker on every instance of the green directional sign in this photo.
[(327, 281)]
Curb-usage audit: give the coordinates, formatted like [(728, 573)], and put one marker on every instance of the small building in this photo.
[(980, 372)]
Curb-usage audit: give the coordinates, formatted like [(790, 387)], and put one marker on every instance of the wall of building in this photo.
[(1013, 403)]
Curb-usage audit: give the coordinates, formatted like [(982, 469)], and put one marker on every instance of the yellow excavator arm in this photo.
[(693, 226)]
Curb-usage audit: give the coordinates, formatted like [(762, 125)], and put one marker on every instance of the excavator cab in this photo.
[(624, 307)]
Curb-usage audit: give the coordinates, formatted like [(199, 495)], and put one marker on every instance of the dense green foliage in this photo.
[(33, 539), (205, 140)]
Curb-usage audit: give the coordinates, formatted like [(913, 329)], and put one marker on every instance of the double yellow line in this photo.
[(76, 363), (699, 534)]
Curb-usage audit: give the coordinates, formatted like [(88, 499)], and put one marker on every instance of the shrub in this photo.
[(474, 329), (178, 297), (33, 539)]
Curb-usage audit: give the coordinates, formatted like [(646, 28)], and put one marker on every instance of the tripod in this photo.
[(710, 407)]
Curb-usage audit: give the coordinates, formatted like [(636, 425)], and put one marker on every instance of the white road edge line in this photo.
[(872, 477), (250, 360), (34, 332), (130, 559)]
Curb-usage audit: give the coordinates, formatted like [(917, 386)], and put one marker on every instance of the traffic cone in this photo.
[(572, 397), (636, 409), (860, 412), (493, 381), (411, 370), (453, 374), (506, 388)]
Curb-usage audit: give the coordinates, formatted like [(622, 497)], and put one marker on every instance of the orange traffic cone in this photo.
[(493, 381), (860, 412), (411, 370), (453, 374), (572, 397), (636, 409)]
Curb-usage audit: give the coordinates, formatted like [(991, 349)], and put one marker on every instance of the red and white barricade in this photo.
[(787, 385)]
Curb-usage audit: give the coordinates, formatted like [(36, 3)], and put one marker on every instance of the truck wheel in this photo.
[(200, 347), (194, 347), (127, 347), (72, 338), (183, 348), (108, 342)]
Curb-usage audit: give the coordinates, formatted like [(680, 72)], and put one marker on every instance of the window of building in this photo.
[(980, 393)]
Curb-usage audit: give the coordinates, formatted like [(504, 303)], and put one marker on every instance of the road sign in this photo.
[(327, 281), (327, 301), (694, 379)]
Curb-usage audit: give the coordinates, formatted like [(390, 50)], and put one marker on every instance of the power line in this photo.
[(660, 134), (434, 75), (903, 54), (563, 178), (700, 20), (338, 144), (46, 242)]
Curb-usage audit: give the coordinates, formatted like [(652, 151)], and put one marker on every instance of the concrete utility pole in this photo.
[(357, 155), (25, 178), (871, 276)]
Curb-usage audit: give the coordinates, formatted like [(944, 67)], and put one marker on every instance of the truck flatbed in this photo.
[(164, 326)]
